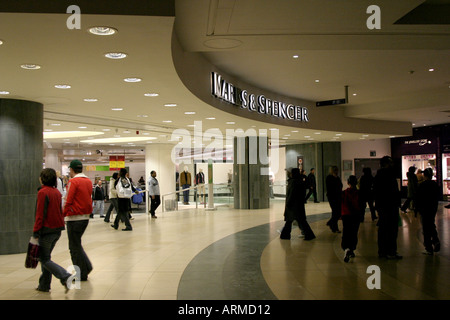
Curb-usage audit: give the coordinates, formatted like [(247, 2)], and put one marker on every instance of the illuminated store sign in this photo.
[(226, 91)]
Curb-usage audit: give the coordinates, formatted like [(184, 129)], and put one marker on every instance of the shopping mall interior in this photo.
[(239, 91)]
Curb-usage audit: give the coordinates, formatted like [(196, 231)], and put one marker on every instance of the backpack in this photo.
[(123, 188)]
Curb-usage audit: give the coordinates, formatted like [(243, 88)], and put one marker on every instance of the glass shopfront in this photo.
[(446, 175), (421, 161)]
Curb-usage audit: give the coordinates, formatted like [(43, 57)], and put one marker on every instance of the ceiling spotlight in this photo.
[(132, 79), (62, 86), (431, 69), (102, 31), (317, 80), (295, 56), (30, 66), (170, 105), (151, 94), (116, 55), (1, 42), (189, 112)]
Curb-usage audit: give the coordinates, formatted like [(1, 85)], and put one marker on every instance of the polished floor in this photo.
[(229, 254)]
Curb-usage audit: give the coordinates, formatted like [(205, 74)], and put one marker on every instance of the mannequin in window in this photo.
[(185, 182), (200, 181)]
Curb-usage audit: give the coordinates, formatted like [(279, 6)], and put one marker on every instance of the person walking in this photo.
[(413, 184), (366, 193), (427, 205), (49, 223), (154, 193), (124, 190), (351, 218), (312, 187), (112, 198), (295, 206), (77, 209), (334, 194), (387, 203), (98, 198)]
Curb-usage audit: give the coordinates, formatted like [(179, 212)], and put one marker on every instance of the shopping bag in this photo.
[(32, 258)]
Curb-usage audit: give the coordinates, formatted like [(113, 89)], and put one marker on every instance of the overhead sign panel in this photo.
[(331, 102)]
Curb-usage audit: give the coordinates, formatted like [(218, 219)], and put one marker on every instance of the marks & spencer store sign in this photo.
[(226, 91)]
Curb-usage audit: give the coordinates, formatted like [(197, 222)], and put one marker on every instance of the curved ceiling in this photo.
[(255, 41)]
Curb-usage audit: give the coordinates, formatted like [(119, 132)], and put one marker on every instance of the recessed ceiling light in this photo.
[(294, 131), (354, 94), (142, 116), (116, 109), (102, 31), (82, 127), (211, 118), (170, 105), (230, 122), (90, 100), (189, 112), (339, 134), (1, 42), (132, 79), (307, 136), (55, 124), (4, 92), (167, 121), (295, 56), (30, 66), (62, 86), (317, 132), (106, 129), (150, 94), (317, 80), (115, 55), (431, 69), (48, 130)]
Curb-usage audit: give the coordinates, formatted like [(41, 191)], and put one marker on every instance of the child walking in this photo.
[(351, 217)]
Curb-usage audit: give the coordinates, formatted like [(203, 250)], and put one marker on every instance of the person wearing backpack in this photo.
[(124, 190)]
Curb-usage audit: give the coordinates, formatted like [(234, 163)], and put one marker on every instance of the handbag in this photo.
[(32, 257)]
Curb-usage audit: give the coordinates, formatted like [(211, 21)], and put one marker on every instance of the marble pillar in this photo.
[(250, 178), (21, 155)]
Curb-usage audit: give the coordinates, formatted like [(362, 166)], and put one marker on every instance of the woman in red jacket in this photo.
[(47, 228), (351, 217)]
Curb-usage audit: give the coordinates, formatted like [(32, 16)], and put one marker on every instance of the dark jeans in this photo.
[(46, 243), (302, 224), (154, 204), (430, 235), (114, 205), (123, 204), (368, 200), (311, 192), (387, 231), (75, 230), (186, 193), (350, 224), (335, 214)]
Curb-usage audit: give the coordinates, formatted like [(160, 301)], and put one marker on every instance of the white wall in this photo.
[(351, 150)]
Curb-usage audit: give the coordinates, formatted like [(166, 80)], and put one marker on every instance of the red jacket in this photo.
[(48, 207), (79, 196), (350, 202)]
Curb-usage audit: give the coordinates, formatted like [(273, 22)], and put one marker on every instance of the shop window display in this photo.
[(421, 161)]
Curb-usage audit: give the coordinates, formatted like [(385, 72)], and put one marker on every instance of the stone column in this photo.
[(21, 155), (158, 158), (52, 159), (250, 177)]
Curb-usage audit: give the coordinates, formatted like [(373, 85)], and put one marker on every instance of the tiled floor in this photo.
[(232, 254)]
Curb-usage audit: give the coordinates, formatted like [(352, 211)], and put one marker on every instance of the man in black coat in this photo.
[(312, 188), (427, 205), (387, 203), (334, 195), (295, 206)]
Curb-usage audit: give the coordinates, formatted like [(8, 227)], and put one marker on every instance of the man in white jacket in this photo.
[(154, 193)]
